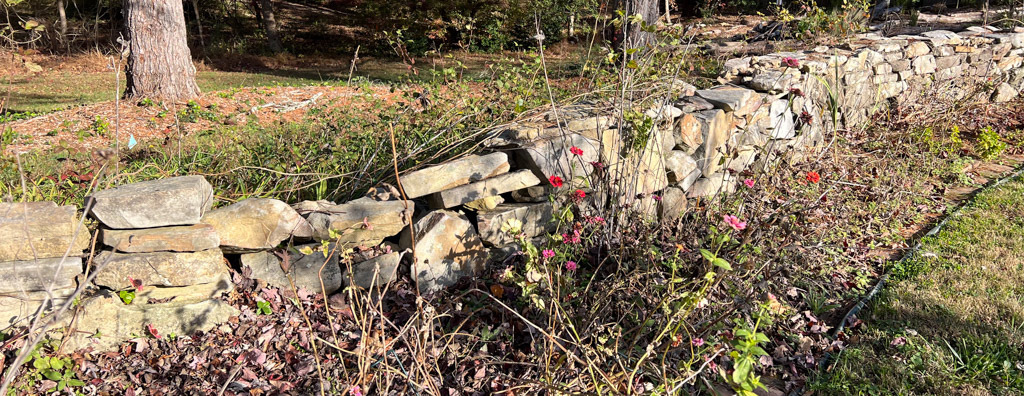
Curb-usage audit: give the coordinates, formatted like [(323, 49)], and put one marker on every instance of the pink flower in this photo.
[(571, 239), (749, 183), (548, 253), (790, 62), (796, 92), (597, 164), (596, 220), (697, 342), (137, 284), (656, 197), (734, 222), (576, 150), (570, 265), (152, 331), (356, 391), (712, 365), (555, 181)]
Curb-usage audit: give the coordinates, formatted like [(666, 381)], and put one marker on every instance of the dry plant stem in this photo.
[(309, 325)]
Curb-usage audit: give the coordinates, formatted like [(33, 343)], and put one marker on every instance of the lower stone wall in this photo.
[(163, 240)]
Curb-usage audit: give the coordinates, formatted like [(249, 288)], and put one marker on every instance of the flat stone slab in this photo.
[(17, 307), (37, 230), (361, 222), (535, 219), (453, 174), (447, 248), (483, 189), (256, 224), (303, 268), (39, 275), (191, 238), (107, 316), (181, 200), (728, 99), (159, 268)]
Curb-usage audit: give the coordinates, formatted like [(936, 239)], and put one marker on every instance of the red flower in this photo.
[(796, 92), (806, 117), (813, 177), (555, 181), (579, 195), (152, 330), (137, 284), (576, 150), (597, 164)]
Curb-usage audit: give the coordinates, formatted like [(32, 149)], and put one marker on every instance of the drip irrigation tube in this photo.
[(906, 256)]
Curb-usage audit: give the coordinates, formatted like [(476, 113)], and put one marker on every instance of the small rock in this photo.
[(159, 268), (672, 205), (532, 194), (374, 273), (191, 238), (453, 174), (181, 200), (19, 306), (256, 224), (535, 220), (485, 204), (713, 185), (305, 269), (688, 134), (447, 248), (37, 230), (782, 124), (362, 222), (482, 189), (924, 64)]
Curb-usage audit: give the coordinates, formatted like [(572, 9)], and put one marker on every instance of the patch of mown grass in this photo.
[(953, 322)]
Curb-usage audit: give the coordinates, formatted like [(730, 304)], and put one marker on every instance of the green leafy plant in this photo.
[(127, 296), (100, 126), (990, 145), (746, 353), (263, 308)]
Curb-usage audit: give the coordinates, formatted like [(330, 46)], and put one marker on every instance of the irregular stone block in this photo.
[(924, 64), (679, 166), (305, 269), (185, 294), (1004, 93), (256, 224), (485, 204), (589, 124), (712, 186), (535, 219), (483, 189), (715, 130), (917, 49), (781, 122), (37, 230), (453, 174), (39, 275), (552, 157), (532, 194), (447, 248), (688, 134), (18, 307), (946, 62), (181, 200), (672, 205), (374, 273), (362, 222), (737, 100), (191, 238), (158, 268), (104, 322)]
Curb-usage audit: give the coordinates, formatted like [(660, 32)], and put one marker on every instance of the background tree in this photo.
[(266, 13), (633, 35), (160, 63)]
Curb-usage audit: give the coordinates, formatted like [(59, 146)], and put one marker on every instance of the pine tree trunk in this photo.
[(160, 63), (634, 37), (63, 21), (270, 26)]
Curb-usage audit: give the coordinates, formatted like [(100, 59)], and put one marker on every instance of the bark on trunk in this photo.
[(270, 26), (160, 63), (63, 22), (633, 36)]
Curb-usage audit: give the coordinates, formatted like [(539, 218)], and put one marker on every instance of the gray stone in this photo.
[(21, 306), (304, 267), (1004, 93), (37, 230), (696, 102), (181, 200), (535, 219), (375, 272), (552, 157), (672, 205), (185, 294), (715, 128), (900, 65), (104, 322), (772, 81), (447, 248), (39, 275), (678, 166), (781, 122), (946, 62), (191, 238), (453, 174), (741, 161), (158, 268), (532, 194), (256, 224), (485, 188), (712, 186), (362, 222), (728, 99), (667, 112), (924, 64)]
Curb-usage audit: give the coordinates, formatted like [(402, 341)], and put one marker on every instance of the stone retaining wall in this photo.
[(163, 239)]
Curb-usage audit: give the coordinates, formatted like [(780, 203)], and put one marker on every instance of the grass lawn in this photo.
[(953, 321)]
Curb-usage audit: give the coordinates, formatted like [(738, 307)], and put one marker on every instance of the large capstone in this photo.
[(446, 248), (453, 174), (256, 224), (484, 189), (181, 200), (37, 230)]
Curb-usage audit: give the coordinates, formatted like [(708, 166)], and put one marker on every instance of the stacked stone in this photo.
[(41, 251), (155, 246)]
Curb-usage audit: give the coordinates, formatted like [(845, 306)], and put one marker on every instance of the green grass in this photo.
[(959, 306)]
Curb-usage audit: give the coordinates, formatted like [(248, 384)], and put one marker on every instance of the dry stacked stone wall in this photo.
[(164, 239)]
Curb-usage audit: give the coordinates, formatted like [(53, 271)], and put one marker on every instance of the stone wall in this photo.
[(164, 239)]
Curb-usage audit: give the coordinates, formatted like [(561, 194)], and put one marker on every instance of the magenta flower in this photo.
[(571, 239), (576, 150), (356, 391), (596, 220), (548, 253), (749, 183), (656, 197), (790, 62), (734, 222), (570, 265), (697, 342)]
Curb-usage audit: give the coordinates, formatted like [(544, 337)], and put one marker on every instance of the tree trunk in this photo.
[(63, 21), (633, 36), (160, 63), (270, 26)]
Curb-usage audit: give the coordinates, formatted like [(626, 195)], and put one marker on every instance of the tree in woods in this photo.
[(160, 63), (633, 36), (266, 18)]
